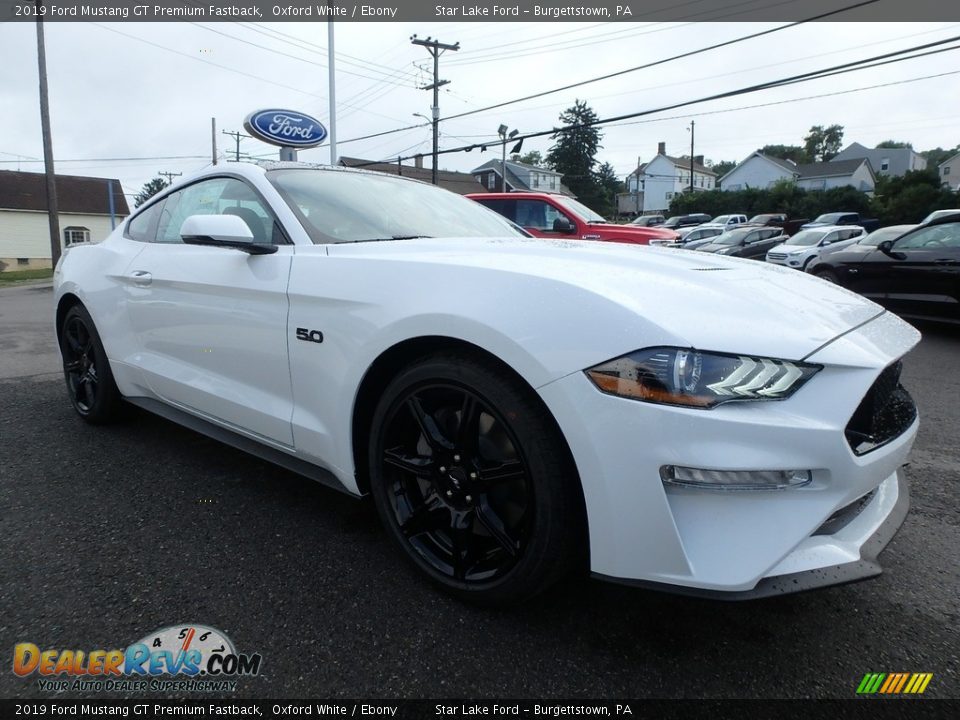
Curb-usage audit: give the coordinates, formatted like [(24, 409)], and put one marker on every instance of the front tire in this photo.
[(828, 275), (90, 385), (472, 479)]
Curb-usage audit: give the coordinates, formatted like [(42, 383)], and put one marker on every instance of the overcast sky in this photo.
[(149, 90)]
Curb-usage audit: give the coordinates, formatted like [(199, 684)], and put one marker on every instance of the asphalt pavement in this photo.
[(108, 533)]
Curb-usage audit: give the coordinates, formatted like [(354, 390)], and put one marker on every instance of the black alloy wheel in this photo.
[(90, 383), (472, 481), (828, 275)]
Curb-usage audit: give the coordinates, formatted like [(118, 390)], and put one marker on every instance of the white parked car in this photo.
[(937, 214), (800, 250), (727, 222), (517, 407)]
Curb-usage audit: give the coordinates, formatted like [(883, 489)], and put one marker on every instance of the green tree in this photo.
[(574, 152), (823, 143), (910, 198), (894, 145), (609, 185), (533, 158), (938, 155), (721, 168), (786, 152), (148, 190)]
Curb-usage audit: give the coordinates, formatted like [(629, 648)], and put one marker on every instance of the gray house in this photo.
[(520, 176), (884, 161)]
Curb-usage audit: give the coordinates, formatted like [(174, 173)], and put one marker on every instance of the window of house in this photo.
[(553, 183), (669, 196), (536, 180), (946, 170), (885, 164), (491, 181), (73, 235), (23, 261)]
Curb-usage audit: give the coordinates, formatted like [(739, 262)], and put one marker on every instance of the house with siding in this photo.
[(763, 171), (520, 177), (665, 176), (84, 212), (949, 172), (884, 161)]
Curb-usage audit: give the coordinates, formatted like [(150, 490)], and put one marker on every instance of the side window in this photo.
[(538, 215), (218, 196), (143, 226), (834, 236), (507, 208), (938, 236)]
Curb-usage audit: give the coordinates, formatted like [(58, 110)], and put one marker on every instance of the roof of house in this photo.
[(458, 182), (75, 194), (787, 165), (495, 165), (680, 162), (517, 182), (834, 168), (856, 150), (949, 160)]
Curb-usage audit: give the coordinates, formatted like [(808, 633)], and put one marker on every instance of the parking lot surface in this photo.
[(108, 533)]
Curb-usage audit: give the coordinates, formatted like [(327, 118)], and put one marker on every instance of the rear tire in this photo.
[(828, 275), (90, 385), (473, 481)]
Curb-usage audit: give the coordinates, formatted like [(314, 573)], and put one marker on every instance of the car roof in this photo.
[(830, 228)]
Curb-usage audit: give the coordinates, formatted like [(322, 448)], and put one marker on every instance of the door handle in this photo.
[(141, 278)]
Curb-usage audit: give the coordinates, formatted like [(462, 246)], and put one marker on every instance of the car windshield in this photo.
[(579, 209), (722, 219), (831, 218), (733, 237), (805, 237), (339, 206), (761, 219), (887, 233)]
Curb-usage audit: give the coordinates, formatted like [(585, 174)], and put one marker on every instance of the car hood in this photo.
[(790, 249), (710, 302)]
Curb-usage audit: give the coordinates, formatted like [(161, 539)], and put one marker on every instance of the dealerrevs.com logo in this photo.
[(185, 657)]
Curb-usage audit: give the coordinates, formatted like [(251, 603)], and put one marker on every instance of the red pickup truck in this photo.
[(558, 216)]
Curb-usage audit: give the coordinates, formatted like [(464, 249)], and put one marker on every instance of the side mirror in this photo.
[(886, 247), (563, 225), (226, 231)]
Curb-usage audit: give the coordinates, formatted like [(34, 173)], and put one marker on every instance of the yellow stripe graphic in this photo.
[(926, 681), (915, 680)]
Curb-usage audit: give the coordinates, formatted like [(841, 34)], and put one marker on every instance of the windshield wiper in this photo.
[(387, 239)]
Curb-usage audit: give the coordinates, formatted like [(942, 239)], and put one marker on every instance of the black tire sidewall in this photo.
[(105, 404), (554, 533)]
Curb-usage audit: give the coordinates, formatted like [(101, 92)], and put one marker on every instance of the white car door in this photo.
[(211, 323)]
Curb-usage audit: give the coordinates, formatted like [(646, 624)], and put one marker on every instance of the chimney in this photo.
[(418, 161), (698, 159), (661, 148)]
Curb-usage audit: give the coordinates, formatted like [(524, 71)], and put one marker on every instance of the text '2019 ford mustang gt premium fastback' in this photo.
[(516, 407)]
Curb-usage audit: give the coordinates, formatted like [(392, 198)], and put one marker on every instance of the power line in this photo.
[(628, 70)]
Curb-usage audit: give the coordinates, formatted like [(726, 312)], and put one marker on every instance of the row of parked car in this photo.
[(914, 270)]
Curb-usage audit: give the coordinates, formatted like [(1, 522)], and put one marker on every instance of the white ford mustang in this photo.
[(516, 407)]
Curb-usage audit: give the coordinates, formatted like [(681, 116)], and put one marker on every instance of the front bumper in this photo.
[(746, 543), (893, 491)]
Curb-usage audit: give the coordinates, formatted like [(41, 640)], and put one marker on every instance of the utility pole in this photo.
[(436, 49), (692, 123), (236, 134), (169, 176), (53, 210), (213, 139), (638, 185), (332, 81)]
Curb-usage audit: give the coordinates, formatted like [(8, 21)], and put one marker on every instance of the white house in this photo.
[(762, 171), (665, 176), (758, 171), (884, 161), (520, 177), (84, 213), (949, 171)]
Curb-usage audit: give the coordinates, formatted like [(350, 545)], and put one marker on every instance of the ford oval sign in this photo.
[(286, 128)]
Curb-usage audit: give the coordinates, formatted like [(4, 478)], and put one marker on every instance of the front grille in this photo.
[(777, 256), (885, 412)]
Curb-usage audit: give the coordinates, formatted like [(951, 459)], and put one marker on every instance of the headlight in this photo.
[(691, 378)]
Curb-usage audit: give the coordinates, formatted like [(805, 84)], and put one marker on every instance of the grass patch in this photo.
[(15, 276)]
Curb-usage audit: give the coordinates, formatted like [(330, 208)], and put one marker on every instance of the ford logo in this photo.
[(286, 128)]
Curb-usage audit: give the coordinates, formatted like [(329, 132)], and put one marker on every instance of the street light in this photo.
[(505, 137)]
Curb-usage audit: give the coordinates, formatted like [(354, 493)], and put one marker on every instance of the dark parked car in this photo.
[(746, 242), (891, 232), (843, 218), (647, 220), (780, 220), (679, 221), (914, 275)]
